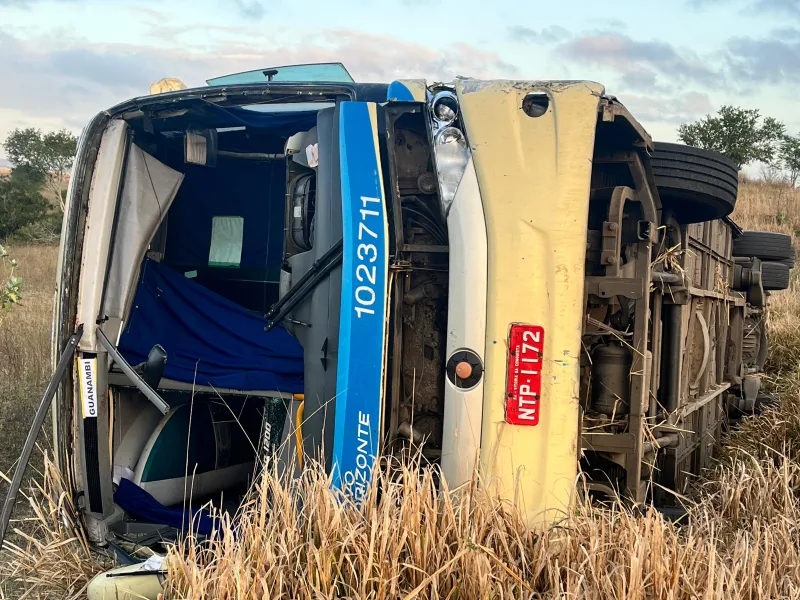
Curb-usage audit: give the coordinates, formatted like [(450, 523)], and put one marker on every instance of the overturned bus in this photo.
[(507, 276)]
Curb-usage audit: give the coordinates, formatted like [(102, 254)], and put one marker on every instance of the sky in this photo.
[(669, 62)]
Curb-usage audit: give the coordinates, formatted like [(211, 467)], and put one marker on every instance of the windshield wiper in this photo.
[(135, 377), (318, 271)]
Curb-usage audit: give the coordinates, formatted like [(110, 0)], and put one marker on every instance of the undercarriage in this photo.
[(674, 339)]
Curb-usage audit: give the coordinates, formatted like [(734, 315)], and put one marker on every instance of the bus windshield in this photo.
[(321, 72)]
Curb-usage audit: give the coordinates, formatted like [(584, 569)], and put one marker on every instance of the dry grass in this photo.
[(773, 207), (298, 540), (25, 347), (24, 369), (49, 556), (768, 207)]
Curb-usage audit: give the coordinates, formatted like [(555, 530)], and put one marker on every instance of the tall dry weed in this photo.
[(47, 554), (299, 540)]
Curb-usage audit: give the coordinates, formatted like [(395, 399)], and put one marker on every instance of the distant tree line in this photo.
[(745, 137), (33, 196)]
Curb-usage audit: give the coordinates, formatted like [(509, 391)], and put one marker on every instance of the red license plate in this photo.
[(523, 394)]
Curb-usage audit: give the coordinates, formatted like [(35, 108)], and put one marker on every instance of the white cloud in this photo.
[(53, 82), (644, 65), (669, 111)]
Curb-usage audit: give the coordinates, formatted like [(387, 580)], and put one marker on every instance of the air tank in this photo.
[(611, 378)]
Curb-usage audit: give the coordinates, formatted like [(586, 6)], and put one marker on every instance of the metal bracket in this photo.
[(678, 296), (623, 443), (608, 287), (647, 231), (612, 230)]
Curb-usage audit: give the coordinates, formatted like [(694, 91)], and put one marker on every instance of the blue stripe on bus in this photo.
[(359, 384), (398, 90)]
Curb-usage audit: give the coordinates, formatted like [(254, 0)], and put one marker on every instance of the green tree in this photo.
[(21, 200), (739, 133), (789, 157), (50, 154)]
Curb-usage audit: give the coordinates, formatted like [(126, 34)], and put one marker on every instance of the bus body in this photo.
[(507, 277)]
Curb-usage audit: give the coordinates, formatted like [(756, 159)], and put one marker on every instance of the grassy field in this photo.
[(24, 368), (25, 346), (742, 539), (777, 208)]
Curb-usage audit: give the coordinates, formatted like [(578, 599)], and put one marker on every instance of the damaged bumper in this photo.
[(532, 146)]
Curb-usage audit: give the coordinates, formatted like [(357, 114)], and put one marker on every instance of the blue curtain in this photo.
[(209, 339)]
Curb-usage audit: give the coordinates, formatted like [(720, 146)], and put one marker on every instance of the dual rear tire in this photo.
[(774, 276), (701, 185), (766, 245), (694, 184), (775, 252)]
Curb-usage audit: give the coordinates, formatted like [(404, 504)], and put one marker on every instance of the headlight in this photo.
[(444, 107), (450, 135), (452, 155)]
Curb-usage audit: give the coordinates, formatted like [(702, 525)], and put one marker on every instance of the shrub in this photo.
[(21, 201)]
